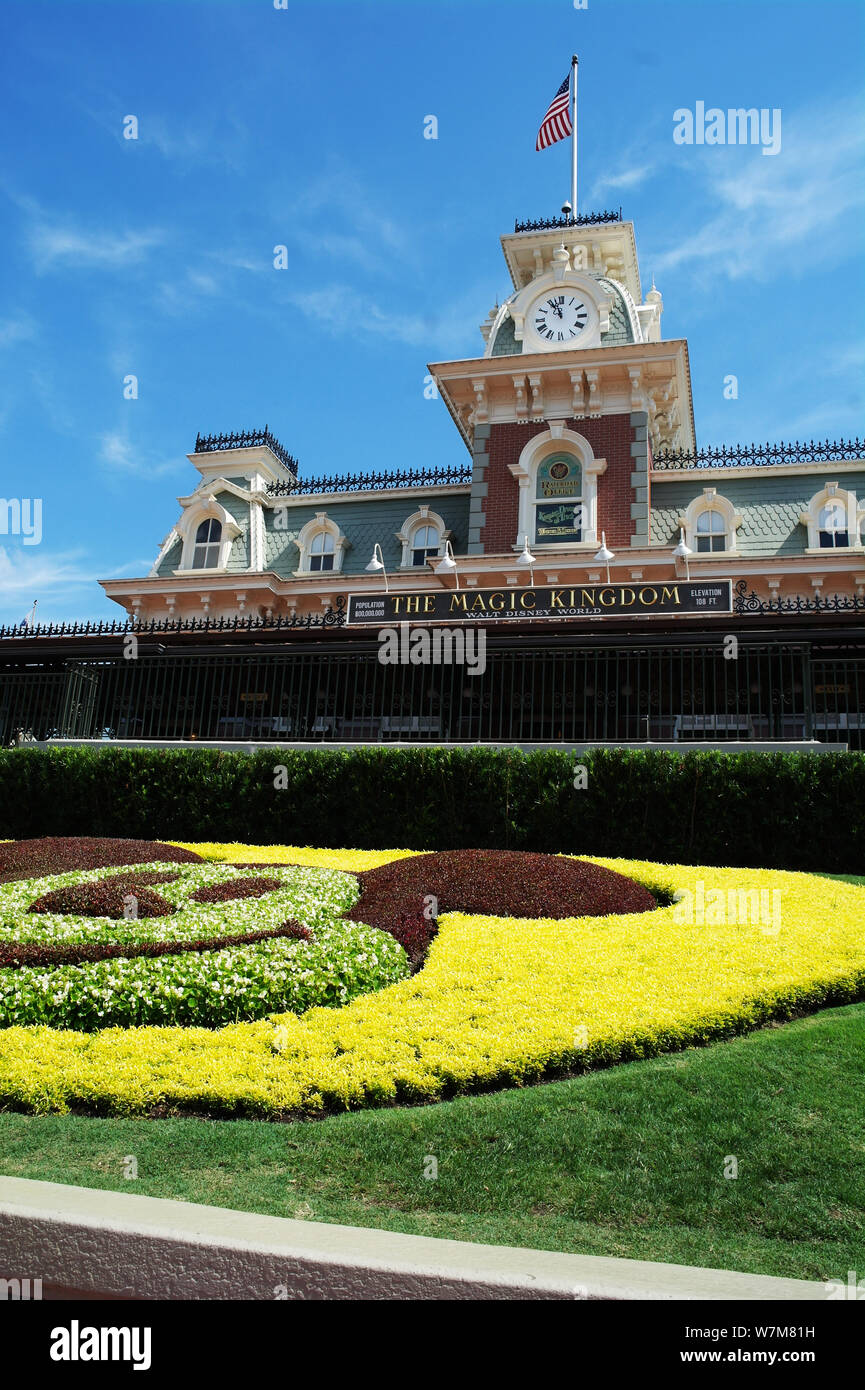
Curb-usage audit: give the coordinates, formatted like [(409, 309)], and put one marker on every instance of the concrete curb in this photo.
[(85, 1240)]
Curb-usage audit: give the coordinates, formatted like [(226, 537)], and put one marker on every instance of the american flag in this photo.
[(556, 124)]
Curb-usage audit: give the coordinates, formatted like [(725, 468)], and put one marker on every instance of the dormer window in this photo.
[(832, 527), (422, 538), (834, 520), (711, 531), (208, 540), (710, 523), (322, 546), (425, 545), (321, 551), (207, 532)]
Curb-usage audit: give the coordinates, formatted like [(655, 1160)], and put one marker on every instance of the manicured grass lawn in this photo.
[(628, 1161)]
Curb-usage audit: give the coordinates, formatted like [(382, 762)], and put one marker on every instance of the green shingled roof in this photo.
[(770, 507)]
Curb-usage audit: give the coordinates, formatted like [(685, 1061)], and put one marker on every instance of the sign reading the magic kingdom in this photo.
[(558, 601)]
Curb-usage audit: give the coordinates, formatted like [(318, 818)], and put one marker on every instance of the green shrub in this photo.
[(776, 810)]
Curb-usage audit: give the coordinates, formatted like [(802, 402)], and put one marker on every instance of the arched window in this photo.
[(322, 546), (321, 551), (425, 543), (710, 523), (832, 526), (711, 531), (558, 501), (422, 538), (208, 539), (834, 520)]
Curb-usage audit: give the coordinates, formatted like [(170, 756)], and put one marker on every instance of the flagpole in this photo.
[(574, 64)]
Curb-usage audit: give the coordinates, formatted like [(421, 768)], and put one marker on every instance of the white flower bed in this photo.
[(204, 987)]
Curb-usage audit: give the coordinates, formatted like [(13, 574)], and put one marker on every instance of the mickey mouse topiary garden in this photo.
[(307, 981)]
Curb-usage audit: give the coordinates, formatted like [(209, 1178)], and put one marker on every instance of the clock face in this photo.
[(560, 317)]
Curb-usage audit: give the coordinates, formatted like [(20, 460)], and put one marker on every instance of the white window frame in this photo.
[(557, 440), (424, 516), (305, 536), (833, 495), (710, 500), (210, 546), (208, 509)]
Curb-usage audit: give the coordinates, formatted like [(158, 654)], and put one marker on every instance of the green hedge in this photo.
[(777, 810)]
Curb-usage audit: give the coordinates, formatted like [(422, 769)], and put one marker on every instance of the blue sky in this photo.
[(304, 127)]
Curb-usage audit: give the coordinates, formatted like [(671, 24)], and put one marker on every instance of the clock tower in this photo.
[(574, 393)]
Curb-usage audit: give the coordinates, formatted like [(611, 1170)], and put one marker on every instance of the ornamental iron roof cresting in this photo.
[(761, 455), (584, 219), (333, 616), (246, 439)]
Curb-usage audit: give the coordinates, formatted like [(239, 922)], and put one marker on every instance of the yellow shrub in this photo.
[(350, 861), (500, 1001)]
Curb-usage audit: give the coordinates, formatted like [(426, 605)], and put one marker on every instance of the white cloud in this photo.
[(119, 456), (630, 177), (339, 309), (215, 137), (17, 330), (25, 575), (181, 297), (778, 216), (50, 245), (369, 237)]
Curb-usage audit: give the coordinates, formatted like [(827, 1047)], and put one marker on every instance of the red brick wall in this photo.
[(610, 437)]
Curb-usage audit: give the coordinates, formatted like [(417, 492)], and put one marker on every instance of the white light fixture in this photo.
[(376, 565), (447, 564), (604, 556), (683, 552), (526, 559)]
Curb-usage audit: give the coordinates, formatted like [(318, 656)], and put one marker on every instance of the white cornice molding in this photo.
[(487, 389), (779, 470), (209, 488), (608, 247), (257, 458), (311, 499)]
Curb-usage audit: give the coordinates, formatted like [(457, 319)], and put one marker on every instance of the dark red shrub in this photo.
[(58, 855), (414, 932), (495, 883), (146, 880), (104, 898), (235, 888), (295, 929), (75, 952)]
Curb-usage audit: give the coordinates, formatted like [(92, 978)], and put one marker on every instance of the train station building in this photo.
[(629, 585)]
